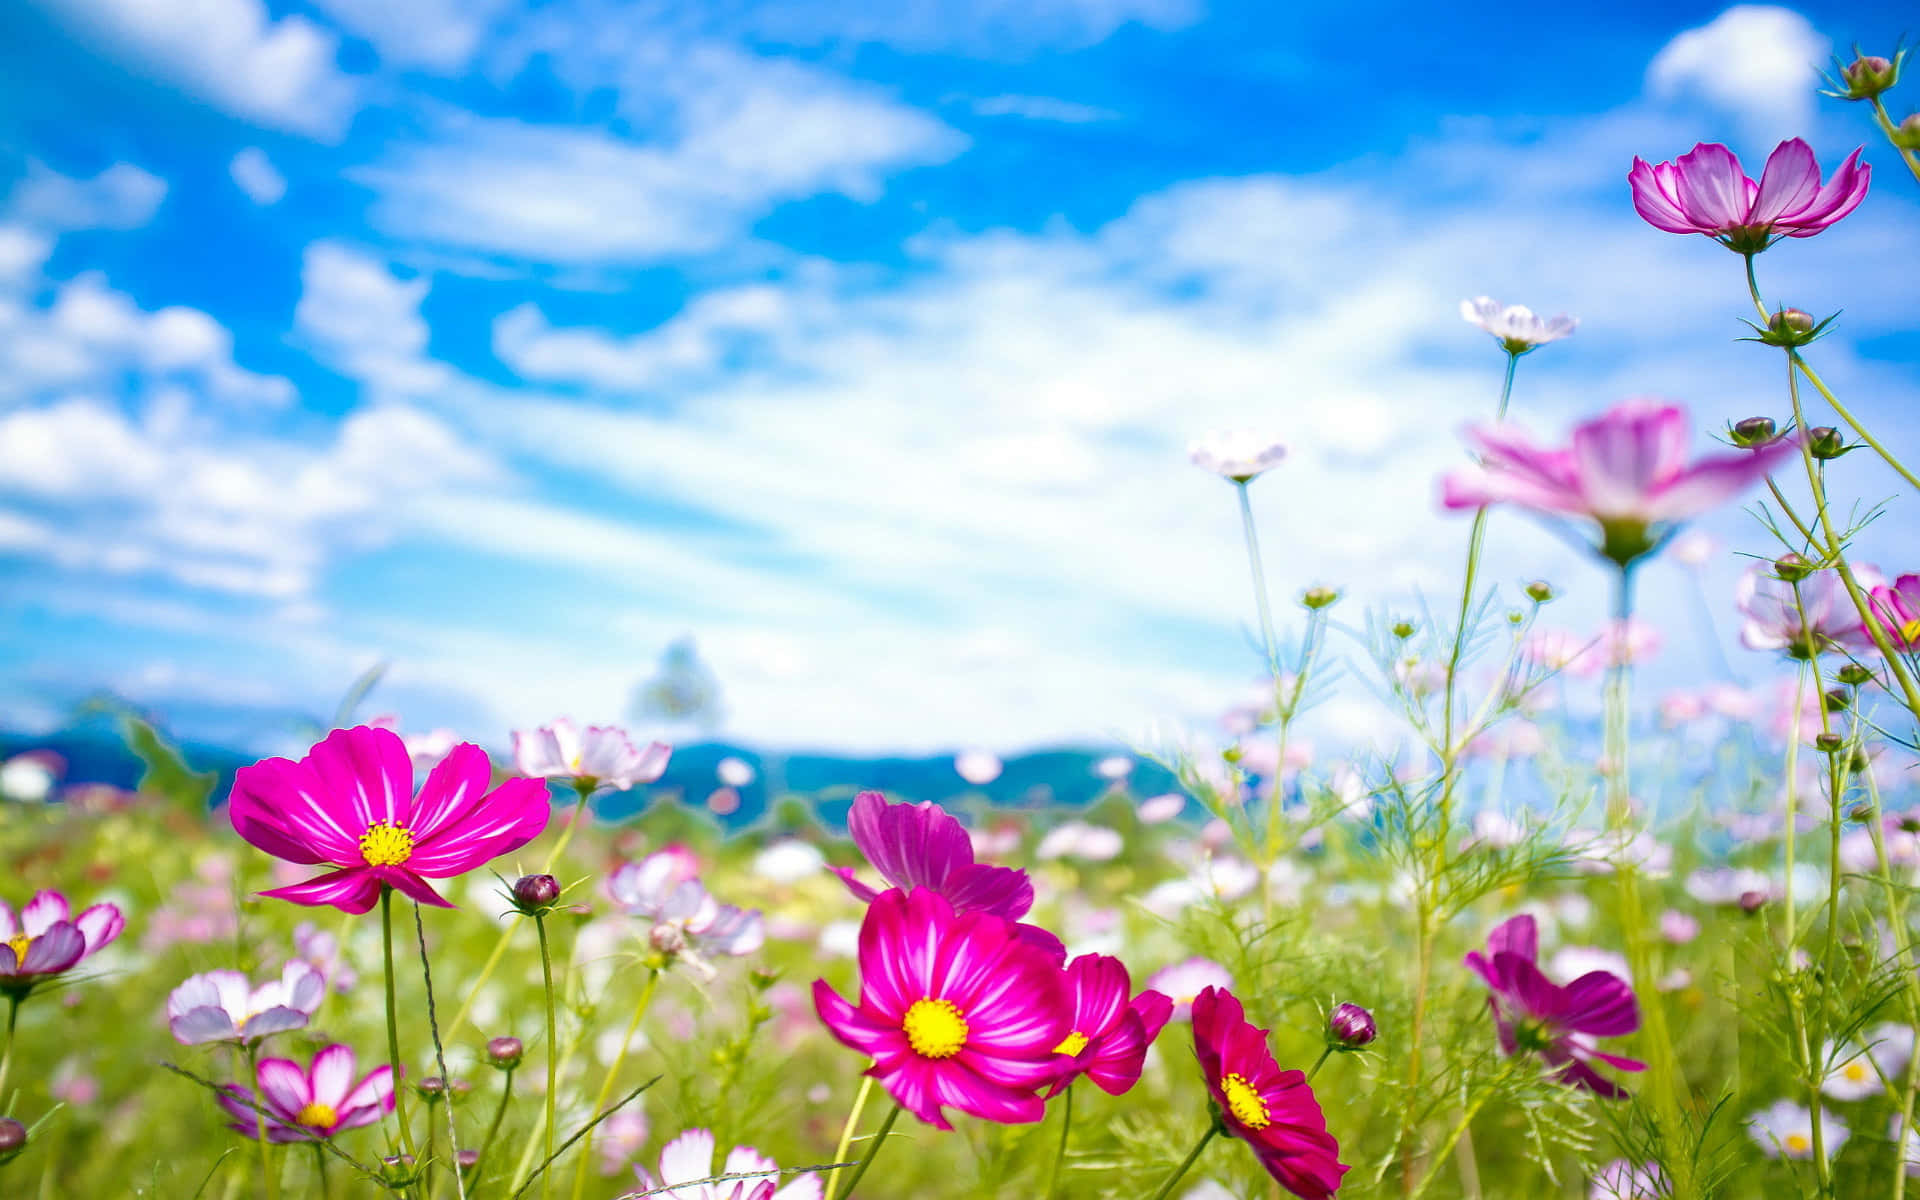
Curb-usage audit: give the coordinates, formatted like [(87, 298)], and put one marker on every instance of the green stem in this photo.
[(439, 1061), (6, 1056), (546, 978), (320, 1170), (1836, 786), (1887, 127), (1166, 1189), (272, 1182), (493, 1126), (866, 1160), (1325, 1053), (393, 1021), (846, 1133), (584, 789), (1853, 423), (1060, 1150), (606, 1085)]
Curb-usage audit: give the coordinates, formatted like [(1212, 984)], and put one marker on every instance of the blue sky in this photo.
[(509, 342)]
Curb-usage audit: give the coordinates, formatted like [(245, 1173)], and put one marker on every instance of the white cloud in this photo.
[(254, 173), (232, 53), (364, 320), (121, 197), (1042, 108), (22, 253), (687, 348), (1757, 62), (438, 34), (742, 135)]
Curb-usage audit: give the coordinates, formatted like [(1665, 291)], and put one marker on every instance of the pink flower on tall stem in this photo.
[(1627, 471), (47, 940), (1897, 611), (956, 1010), (1820, 619), (350, 803), (922, 846), (309, 1105), (1273, 1111), (1534, 1015), (1707, 192), (1110, 1033)]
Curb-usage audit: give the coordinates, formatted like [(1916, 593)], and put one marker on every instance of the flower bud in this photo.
[(1853, 675), (467, 1159), (1791, 327), (432, 1089), (1539, 591), (1317, 598), (1906, 134), (1754, 431), (1752, 902), (1836, 700), (13, 1138), (396, 1171), (1825, 442), (534, 894), (1860, 814), (1233, 754), (1867, 76), (1351, 1026), (505, 1052), (1828, 743), (1403, 630), (1792, 568)]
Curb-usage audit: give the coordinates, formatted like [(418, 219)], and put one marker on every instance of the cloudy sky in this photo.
[(507, 342)]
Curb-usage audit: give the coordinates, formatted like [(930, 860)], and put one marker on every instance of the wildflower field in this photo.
[(1664, 954)]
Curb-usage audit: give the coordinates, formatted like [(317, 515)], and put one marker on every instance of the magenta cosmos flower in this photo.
[(305, 1105), (1626, 470), (1536, 1016), (923, 846), (1820, 620), (1273, 1111), (1110, 1033), (956, 1010), (47, 940), (602, 754), (350, 803), (1707, 192), (1897, 610)]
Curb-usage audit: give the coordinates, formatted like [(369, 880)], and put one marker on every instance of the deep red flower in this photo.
[(1273, 1111)]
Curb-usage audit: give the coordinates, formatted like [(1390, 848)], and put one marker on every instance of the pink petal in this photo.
[(506, 819), (352, 889), (1712, 482), (46, 909), (910, 845), (332, 1076), (851, 1025), (375, 1092), (414, 888), (454, 788), (367, 774), (100, 924), (1602, 1004), (285, 1086), (1710, 187), (56, 950), (1097, 993), (282, 808), (1653, 197)]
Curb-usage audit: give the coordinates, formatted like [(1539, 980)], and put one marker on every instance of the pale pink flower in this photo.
[(1820, 620), (1184, 981), (1630, 642), (977, 767), (1515, 327), (598, 756), (1157, 810), (1706, 192), (1237, 455)]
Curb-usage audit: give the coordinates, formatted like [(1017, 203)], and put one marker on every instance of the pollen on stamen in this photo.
[(317, 1116), (385, 844), (1075, 1042), (1245, 1102), (935, 1028)]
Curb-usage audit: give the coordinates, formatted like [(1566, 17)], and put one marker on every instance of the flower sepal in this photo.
[(1789, 328)]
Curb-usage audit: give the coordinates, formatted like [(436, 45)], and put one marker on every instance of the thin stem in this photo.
[(1506, 386), (584, 788), (6, 1056), (866, 1160), (846, 1132), (439, 1059), (393, 1021), (1887, 127), (1836, 786), (1268, 641), (1166, 1189), (320, 1170), (1791, 915), (272, 1181), (493, 1126), (1060, 1150), (1325, 1054), (606, 1085), (1859, 430), (546, 978)]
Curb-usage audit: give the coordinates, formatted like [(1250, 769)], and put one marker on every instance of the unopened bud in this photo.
[(1828, 743), (1824, 442), (1317, 598), (534, 894), (1754, 431), (431, 1089), (1867, 76), (505, 1052), (396, 1170), (1836, 700), (13, 1138), (1233, 754), (1790, 327), (1350, 1025), (468, 1160), (1539, 591), (1860, 814), (1752, 902), (1792, 568), (1403, 630), (1853, 675), (1515, 616), (1906, 134)]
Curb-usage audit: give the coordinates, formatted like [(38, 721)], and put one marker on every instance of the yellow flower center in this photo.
[(385, 844), (1245, 1103), (317, 1116), (1855, 1071), (935, 1028), (1075, 1043), (19, 942), (1910, 632), (1797, 1143)]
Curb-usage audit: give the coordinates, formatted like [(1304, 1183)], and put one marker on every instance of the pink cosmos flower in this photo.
[(690, 1157), (1897, 609), (47, 940), (688, 923), (1536, 1016), (1237, 455), (306, 1105), (1273, 1111), (350, 803), (1184, 981), (1705, 191), (220, 1006), (602, 755), (956, 1010), (1775, 622), (1110, 1034), (922, 846), (1627, 471)]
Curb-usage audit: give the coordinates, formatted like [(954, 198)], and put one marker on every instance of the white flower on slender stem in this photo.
[(597, 756), (1515, 327), (1786, 1130), (219, 1006), (1239, 455)]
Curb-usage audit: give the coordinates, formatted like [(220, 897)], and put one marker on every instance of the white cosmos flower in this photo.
[(1786, 1129), (220, 1006), (1239, 455), (689, 1157), (977, 767), (1515, 327), (595, 756)]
